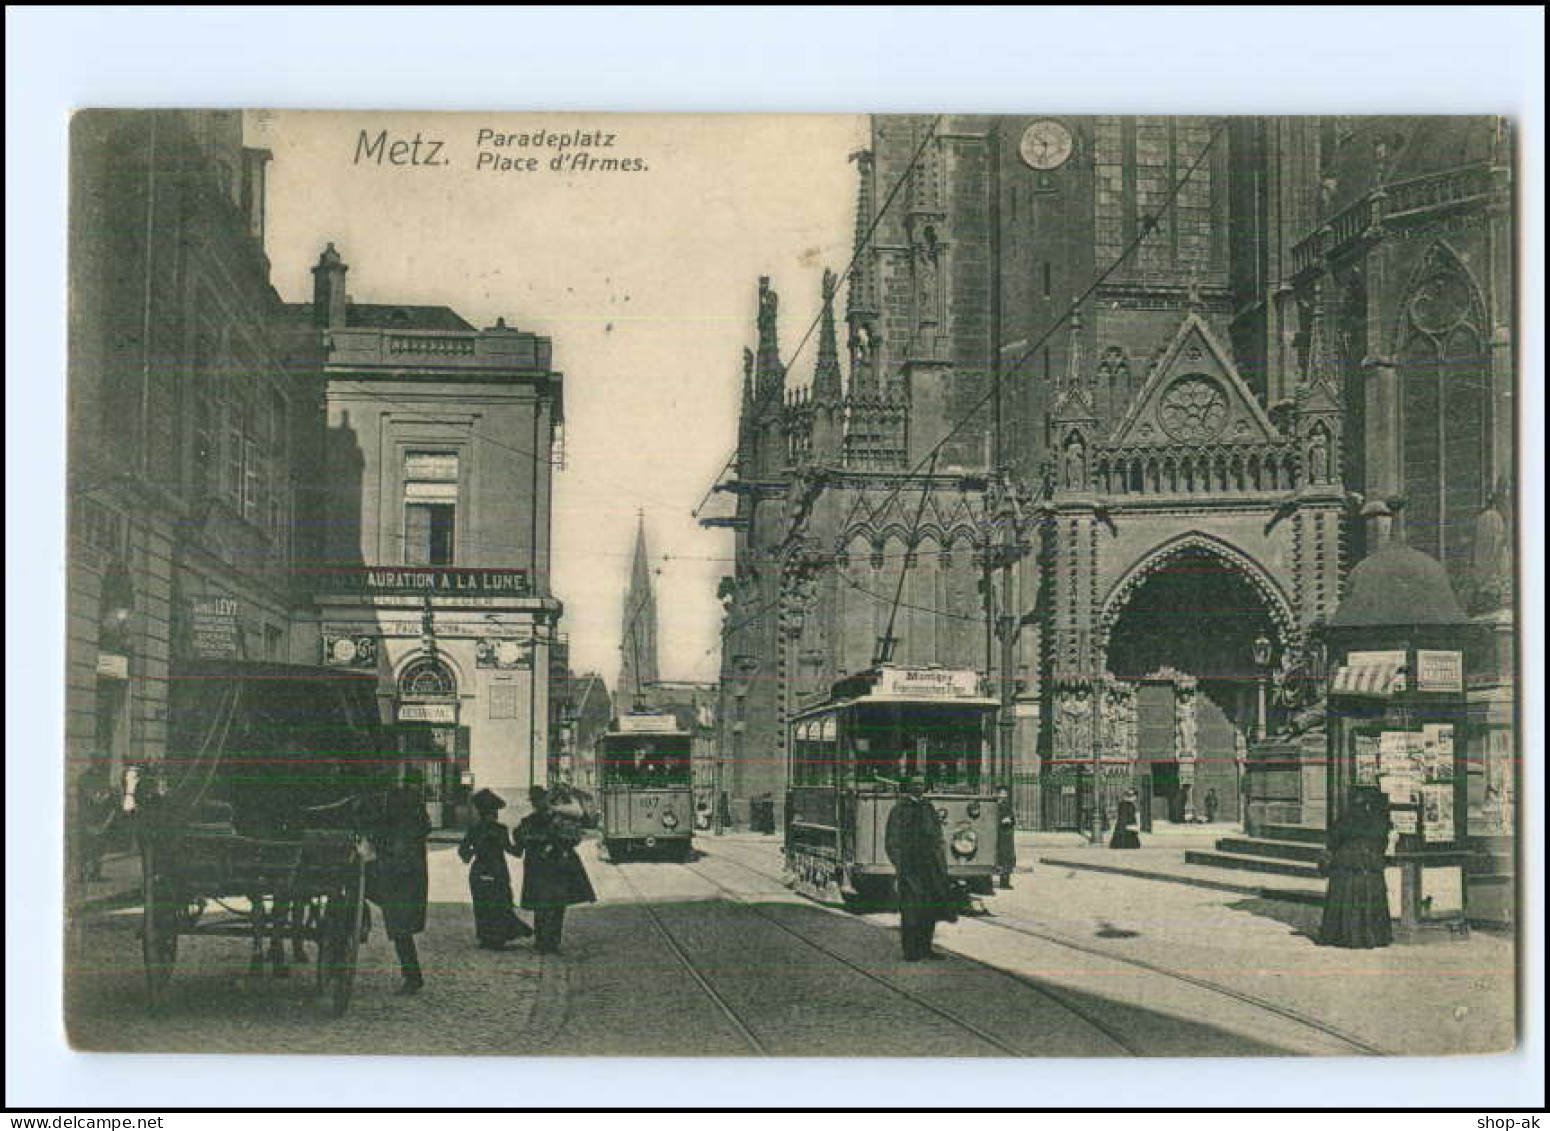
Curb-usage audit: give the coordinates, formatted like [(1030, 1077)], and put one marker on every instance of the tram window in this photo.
[(951, 751), (880, 753), (816, 751)]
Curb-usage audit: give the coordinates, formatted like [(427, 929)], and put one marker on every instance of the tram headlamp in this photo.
[(965, 843), (669, 821), (974, 808)]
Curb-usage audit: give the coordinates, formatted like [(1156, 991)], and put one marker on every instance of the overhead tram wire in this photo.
[(862, 245), (1147, 227)]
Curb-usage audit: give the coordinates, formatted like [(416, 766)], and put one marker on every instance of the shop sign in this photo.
[(928, 683), (214, 631), (444, 713), (349, 651), (503, 655), (1439, 671), (647, 724), (426, 580), (111, 666)]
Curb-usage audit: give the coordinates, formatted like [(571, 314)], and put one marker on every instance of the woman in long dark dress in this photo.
[(553, 877), (484, 848), (397, 881), (1356, 903), (1125, 835)]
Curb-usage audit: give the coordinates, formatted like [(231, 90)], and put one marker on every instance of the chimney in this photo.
[(328, 297)]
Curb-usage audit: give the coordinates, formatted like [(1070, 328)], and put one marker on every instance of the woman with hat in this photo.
[(484, 848), (1125, 835), (552, 874), (1356, 903)]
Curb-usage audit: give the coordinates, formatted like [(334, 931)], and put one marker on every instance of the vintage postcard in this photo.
[(925, 585)]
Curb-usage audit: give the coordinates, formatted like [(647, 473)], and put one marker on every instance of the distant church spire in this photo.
[(638, 637)]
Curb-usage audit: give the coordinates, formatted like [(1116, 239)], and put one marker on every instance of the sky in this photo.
[(645, 280)]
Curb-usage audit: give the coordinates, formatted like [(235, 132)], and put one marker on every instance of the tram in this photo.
[(847, 759), (643, 764)]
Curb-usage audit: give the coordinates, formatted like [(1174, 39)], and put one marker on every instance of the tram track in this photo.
[(1286, 1013), (1108, 1031), (747, 1034)]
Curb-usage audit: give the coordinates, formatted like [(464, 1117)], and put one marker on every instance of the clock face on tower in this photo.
[(1046, 144)]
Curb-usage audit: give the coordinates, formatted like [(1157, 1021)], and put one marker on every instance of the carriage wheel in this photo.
[(158, 930), (339, 948)]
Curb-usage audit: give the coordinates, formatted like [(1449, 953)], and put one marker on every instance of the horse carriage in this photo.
[(253, 827)]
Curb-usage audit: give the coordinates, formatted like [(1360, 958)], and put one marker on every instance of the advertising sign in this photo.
[(444, 713), (433, 580), (214, 631), (1439, 670)]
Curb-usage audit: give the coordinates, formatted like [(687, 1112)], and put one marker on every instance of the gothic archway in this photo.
[(1180, 630)]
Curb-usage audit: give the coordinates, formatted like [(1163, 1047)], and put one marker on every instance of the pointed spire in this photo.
[(747, 429), (771, 379), (826, 373), (1074, 352), (862, 291), (638, 638)]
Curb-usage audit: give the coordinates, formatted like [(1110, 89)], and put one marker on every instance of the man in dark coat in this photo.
[(552, 874), (397, 880), (1006, 837), (484, 848), (915, 846)]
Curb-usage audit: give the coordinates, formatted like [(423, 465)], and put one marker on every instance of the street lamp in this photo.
[(1262, 666)]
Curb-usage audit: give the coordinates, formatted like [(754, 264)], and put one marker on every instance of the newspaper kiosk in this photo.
[(1396, 722)]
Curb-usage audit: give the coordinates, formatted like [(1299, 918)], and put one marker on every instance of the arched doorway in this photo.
[(429, 737), (1182, 631)]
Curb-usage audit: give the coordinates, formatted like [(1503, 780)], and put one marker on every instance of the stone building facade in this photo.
[(1116, 385), (435, 507), (191, 422)]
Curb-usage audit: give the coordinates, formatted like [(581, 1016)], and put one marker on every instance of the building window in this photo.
[(430, 507), (1445, 379)]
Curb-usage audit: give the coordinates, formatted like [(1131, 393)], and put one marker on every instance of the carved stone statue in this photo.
[(1075, 463), (1492, 565), (1318, 457)]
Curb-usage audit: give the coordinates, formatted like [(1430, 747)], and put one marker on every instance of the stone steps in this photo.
[(1291, 832), (1298, 851), (1265, 864)]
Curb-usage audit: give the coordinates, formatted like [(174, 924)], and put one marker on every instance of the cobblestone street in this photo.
[(717, 957)]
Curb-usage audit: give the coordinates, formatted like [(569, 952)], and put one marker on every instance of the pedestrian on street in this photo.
[(1356, 902), (915, 846), (1125, 835), (484, 848), (553, 877), (397, 881), (1212, 804), (1006, 837), (96, 810)]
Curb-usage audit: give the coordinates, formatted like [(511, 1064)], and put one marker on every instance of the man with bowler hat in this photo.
[(397, 881), (915, 846)]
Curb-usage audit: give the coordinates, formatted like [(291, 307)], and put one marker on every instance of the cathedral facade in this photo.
[(1118, 389)]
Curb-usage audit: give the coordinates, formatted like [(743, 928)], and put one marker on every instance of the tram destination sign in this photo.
[(435, 580), (928, 683)]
